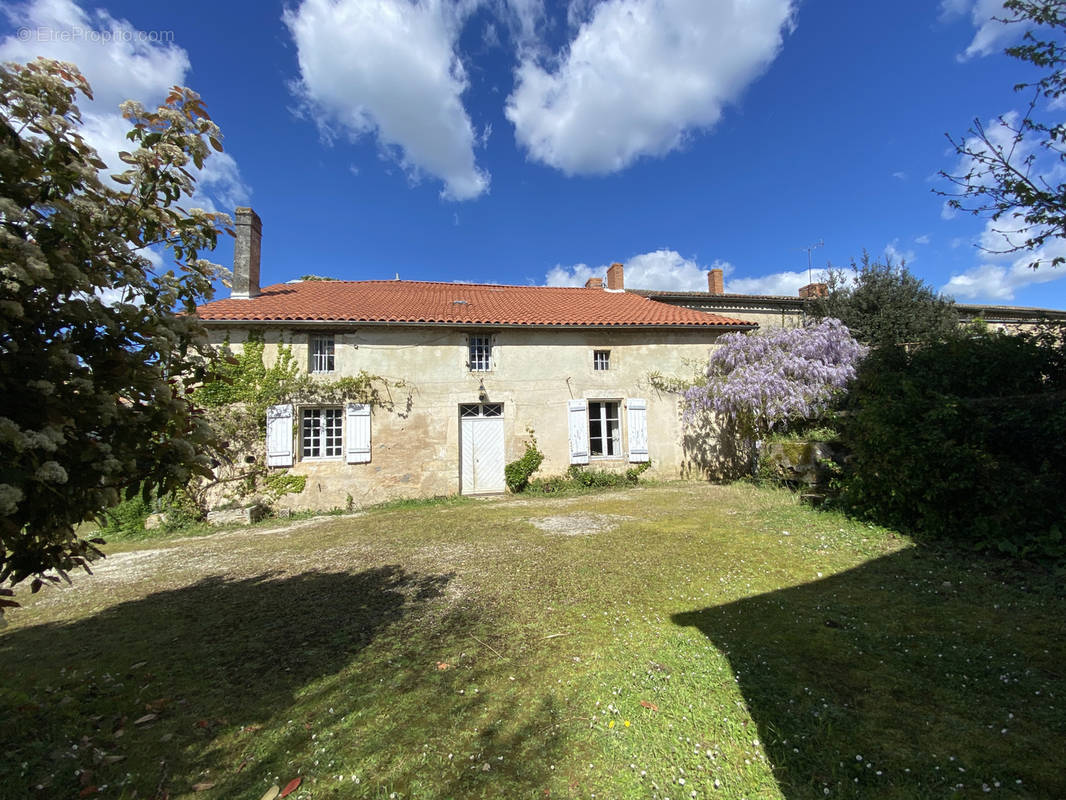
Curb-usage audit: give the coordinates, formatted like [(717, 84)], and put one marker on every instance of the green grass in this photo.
[(755, 647)]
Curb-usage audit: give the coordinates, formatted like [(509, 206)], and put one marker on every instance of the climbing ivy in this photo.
[(235, 403)]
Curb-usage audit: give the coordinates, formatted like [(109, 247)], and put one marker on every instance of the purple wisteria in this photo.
[(763, 379)]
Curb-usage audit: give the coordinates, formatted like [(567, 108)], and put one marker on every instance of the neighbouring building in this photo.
[(782, 310), (481, 366)]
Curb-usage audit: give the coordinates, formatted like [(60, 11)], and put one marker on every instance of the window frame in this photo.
[(609, 438), (328, 354), (601, 360), (320, 438), (479, 352)]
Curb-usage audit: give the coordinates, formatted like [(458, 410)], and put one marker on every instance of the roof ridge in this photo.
[(393, 281)]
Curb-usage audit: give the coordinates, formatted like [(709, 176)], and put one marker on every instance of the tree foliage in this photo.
[(963, 439), (1013, 171), (885, 304), (763, 380), (96, 344)]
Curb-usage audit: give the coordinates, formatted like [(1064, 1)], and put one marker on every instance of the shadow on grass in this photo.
[(910, 676), (250, 680)]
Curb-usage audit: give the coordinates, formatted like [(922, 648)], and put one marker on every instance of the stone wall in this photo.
[(415, 445)]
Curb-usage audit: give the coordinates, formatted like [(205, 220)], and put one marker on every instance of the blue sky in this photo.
[(533, 141)]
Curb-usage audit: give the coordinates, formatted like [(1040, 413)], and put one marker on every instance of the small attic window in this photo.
[(460, 302)]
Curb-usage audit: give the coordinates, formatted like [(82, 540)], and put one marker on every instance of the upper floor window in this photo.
[(601, 360), (322, 353), (480, 353)]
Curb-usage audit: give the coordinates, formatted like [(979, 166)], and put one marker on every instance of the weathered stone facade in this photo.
[(415, 445)]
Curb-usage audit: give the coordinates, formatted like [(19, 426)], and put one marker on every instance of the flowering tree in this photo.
[(95, 349), (762, 380)]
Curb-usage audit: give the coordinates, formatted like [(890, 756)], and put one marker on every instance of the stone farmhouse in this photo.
[(481, 367)]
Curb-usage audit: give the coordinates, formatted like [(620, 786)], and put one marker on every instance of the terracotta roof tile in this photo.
[(418, 302)]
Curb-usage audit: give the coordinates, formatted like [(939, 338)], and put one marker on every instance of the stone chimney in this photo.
[(716, 281), (615, 279), (812, 290), (594, 283), (249, 230)]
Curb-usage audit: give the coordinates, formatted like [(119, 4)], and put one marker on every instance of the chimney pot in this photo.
[(246, 247), (594, 283), (813, 290), (716, 281), (615, 278)]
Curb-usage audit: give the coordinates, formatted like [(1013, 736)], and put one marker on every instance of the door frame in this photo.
[(477, 414)]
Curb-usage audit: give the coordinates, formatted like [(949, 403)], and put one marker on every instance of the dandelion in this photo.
[(626, 723)]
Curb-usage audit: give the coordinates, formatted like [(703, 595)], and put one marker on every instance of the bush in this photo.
[(518, 473), (963, 440), (126, 520), (579, 478)]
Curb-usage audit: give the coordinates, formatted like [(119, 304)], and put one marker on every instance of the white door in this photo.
[(481, 448)]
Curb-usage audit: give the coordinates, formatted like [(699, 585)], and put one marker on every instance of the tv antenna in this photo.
[(810, 249)]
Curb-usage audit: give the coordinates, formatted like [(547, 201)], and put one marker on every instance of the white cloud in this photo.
[(1000, 272), (1000, 275), (925, 238), (950, 9), (576, 275), (390, 69), (665, 270), (524, 17), (785, 284), (991, 35), (897, 256), (900, 176), (120, 62), (639, 76)]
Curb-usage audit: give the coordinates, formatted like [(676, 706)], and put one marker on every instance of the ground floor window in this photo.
[(321, 432), (605, 431)]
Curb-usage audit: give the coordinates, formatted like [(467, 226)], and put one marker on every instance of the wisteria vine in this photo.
[(763, 379)]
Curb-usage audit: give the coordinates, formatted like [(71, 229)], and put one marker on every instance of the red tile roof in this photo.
[(418, 302)]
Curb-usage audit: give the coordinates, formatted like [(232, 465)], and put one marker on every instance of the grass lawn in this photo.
[(672, 641)]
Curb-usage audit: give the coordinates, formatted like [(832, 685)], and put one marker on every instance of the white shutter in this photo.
[(357, 449), (578, 416), (279, 436), (637, 412)]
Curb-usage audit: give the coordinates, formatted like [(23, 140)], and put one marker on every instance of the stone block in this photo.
[(236, 516)]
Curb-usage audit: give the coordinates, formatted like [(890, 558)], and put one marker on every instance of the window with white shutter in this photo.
[(637, 422), (279, 436), (577, 417), (357, 450), (605, 429), (321, 433)]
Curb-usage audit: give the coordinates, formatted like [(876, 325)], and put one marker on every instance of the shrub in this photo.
[(126, 520), (963, 440), (518, 473), (579, 478)]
